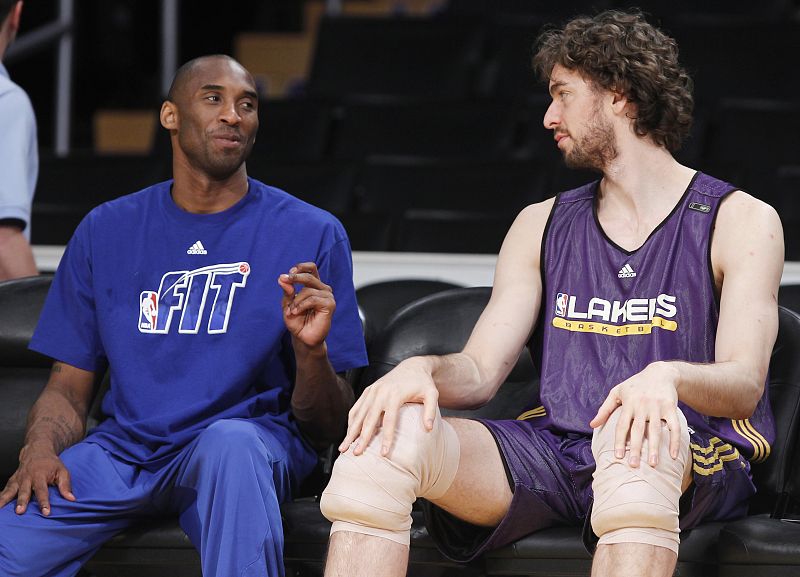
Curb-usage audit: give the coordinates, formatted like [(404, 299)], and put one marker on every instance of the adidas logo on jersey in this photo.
[(626, 272), (197, 248)]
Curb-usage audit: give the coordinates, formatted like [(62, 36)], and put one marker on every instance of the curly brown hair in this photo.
[(621, 51)]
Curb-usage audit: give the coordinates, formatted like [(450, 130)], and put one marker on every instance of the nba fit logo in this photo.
[(191, 293)]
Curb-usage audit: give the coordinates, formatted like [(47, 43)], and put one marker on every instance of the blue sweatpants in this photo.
[(225, 487)]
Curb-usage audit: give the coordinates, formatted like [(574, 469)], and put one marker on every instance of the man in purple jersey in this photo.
[(651, 299)]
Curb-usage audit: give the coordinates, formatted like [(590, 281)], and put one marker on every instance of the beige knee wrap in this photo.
[(638, 505), (372, 494)]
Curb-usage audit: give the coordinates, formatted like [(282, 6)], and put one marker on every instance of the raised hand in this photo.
[(307, 312)]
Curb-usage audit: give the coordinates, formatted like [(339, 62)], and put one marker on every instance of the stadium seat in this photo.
[(327, 184), (293, 130), (378, 301), (68, 188), (761, 544), (395, 57), (451, 231), (395, 185), (769, 545), (742, 58), (463, 129)]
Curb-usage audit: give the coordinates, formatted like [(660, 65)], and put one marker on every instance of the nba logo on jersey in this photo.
[(148, 310), (561, 304)]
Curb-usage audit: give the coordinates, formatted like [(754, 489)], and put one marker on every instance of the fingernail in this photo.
[(384, 450), (619, 453), (430, 423), (285, 276), (19, 509), (654, 460)]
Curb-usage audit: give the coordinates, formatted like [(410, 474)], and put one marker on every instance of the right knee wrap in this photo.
[(638, 505), (373, 494)]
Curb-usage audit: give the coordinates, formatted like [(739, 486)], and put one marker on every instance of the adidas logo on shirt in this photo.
[(626, 272), (198, 248)]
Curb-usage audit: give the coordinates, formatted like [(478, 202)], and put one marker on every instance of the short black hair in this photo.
[(183, 73)]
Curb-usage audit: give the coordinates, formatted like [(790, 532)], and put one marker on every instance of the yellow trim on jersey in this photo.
[(716, 460), (761, 448), (582, 326), (533, 413)]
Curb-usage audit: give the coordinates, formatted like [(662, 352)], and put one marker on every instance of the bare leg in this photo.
[(633, 560), (355, 554), (479, 494)]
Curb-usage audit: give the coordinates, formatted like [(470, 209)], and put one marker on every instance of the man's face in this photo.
[(582, 131), (217, 117)]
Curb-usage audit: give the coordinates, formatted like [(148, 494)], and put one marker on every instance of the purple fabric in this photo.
[(551, 478), (606, 314), (667, 311)]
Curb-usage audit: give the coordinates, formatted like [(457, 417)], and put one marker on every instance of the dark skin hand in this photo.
[(321, 398), (56, 421)]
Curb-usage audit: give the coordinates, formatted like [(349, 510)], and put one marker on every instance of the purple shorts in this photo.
[(551, 477)]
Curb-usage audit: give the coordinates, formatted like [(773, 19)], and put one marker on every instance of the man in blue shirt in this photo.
[(19, 159), (211, 299)]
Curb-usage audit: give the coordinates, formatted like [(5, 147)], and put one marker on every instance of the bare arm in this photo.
[(747, 257), (16, 256), (56, 421), (469, 378), (321, 398)]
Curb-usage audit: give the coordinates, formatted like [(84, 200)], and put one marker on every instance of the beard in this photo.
[(596, 148)]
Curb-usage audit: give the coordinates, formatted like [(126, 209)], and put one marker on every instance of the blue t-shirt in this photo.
[(185, 309)]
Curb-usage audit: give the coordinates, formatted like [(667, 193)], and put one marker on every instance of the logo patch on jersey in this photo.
[(616, 318), (197, 248), (561, 304), (626, 272), (200, 298), (700, 207)]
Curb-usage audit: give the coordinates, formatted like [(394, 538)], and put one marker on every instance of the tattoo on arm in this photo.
[(64, 435)]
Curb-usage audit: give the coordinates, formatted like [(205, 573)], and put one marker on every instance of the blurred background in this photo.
[(418, 123)]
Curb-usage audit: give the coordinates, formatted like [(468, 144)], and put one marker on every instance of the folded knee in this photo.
[(373, 494), (231, 439)]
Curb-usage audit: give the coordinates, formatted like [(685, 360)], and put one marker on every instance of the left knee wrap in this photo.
[(373, 494), (637, 505)]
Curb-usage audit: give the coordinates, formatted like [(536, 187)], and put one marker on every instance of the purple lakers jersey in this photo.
[(607, 313)]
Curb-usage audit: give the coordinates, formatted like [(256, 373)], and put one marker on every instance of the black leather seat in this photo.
[(155, 548), (378, 301), (440, 324), (23, 373), (437, 324), (769, 545)]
